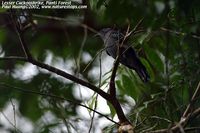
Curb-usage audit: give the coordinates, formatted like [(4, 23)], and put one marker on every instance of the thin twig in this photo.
[(95, 105), (108, 97), (187, 115), (135, 29), (99, 52), (55, 96), (192, 101), (192, 128), (14, 115), (21, 38), (81, 48), (11, 122), (183, 122), (63, 19), (61, 73), (58, 71), (16, 58), (84, 83), (178, 33)]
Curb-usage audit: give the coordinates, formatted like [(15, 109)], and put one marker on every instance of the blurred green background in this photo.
[(168, 45)]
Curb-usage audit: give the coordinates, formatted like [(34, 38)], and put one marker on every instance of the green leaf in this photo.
[(112, 109), (92, 102), (120, 87), (154, 58), (130, 86), (149, 69), (100, 3), (127, 84), (29, 107)]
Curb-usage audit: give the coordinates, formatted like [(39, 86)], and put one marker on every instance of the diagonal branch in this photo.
[(56, 97), (119, 53), (187, 115), (178, 33), (115, 66), (60, 73), (24, 45), (20, 36), (66, 75), (194, 97), (180, 124), (114, 101), (109, 97), (70, 77), (112, 88)]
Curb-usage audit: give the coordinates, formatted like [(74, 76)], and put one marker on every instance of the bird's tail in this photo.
[(143, 74)]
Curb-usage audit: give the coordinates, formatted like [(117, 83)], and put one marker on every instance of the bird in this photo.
[(112, 39)]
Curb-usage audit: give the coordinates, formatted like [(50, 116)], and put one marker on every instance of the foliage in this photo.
[(168, 45)]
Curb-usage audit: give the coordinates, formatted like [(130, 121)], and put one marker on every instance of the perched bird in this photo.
[(112, 39)]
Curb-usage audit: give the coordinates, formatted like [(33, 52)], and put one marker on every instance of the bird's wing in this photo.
[(129, 56), (107, 53), (130, 59), (117, 35)]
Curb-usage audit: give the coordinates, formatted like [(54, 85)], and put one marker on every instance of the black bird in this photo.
[(112, 39)]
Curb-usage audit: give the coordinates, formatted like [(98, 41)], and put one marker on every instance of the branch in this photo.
[(19, 32), (60, 73), (180, 124), (16, 58), (57, 97), (66, 75), (112, 88), (24, 45), (9, 121), (194, 97), (112, 99), (31, 60), (64, 20), (187, 115), (116, 64), (134, 31), (178, 33)]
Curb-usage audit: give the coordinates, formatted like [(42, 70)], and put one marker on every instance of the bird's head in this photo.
[(103, 32)]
